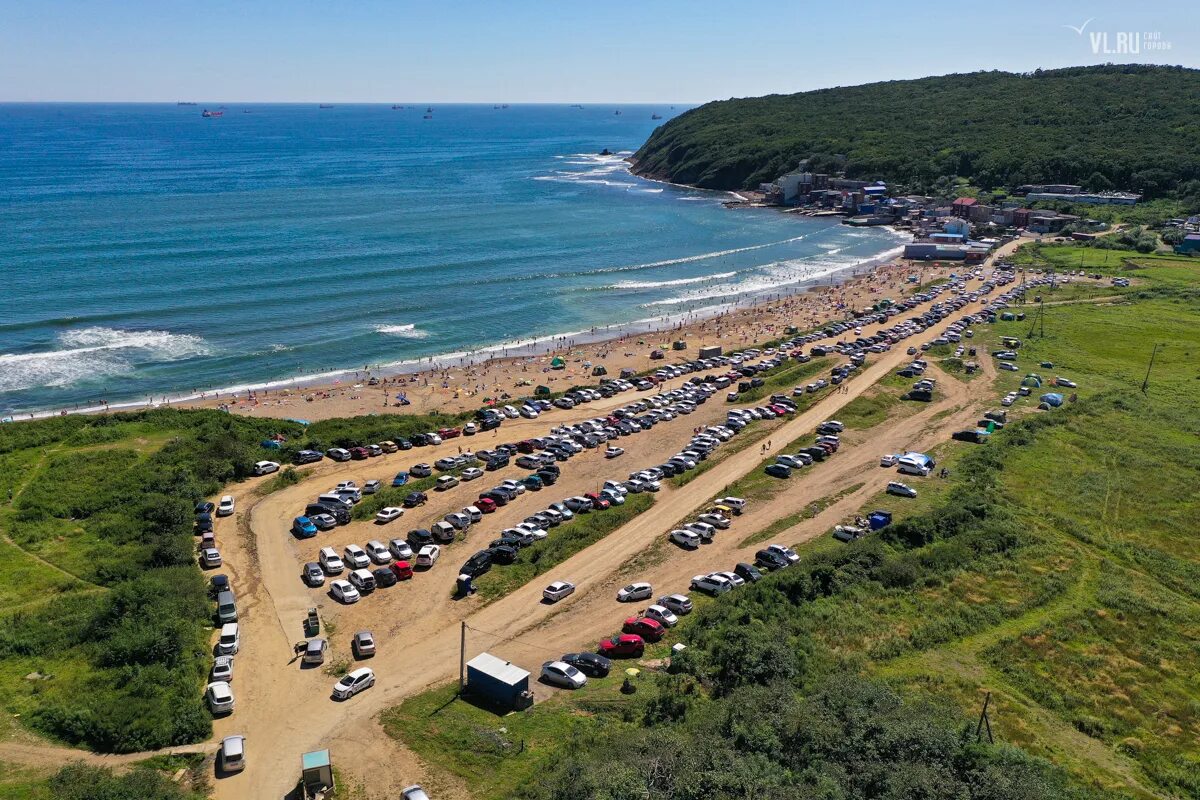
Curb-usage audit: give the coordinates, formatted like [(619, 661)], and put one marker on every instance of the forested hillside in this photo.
[(1116, 126)]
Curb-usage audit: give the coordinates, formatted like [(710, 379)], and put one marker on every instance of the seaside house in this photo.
[(957, 226), (962, 206)]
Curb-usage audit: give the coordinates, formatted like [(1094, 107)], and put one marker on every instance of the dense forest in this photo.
[(1105, 127)]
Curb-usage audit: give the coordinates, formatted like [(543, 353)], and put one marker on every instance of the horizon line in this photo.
[(363, 102)]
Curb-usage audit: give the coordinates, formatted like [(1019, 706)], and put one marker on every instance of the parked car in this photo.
[(378, 552), (560, 673), (778, 470), (613, 452), (747, 572), (371, 487), (344, 592), (230, 639), (662, 615), (786, 552), (210, 557), (676, 603), (355, 557), (414, 499), (627, 645), (265, 467), (222, 669), (557, 591), (684, 538), (354, 682), (363, 644), (385, 577), (711, 584), (304, 528), (401, 569), (429, 555), (329, 560), (591, 664), (225, 507), (313, 574), (232, 757), (400, 479), (219, 696), (635, 591), (901, 489)]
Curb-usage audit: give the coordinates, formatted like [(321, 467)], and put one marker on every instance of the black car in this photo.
[(384, 577), (670, 470), (414, 499), (499, 498), (205, 507), (547, 478), (593, 665), (204, 523), (778, 471), (747, 572), (308, 457), (477, 564), (495, 463), (491, 423), (502, 554), (339, 512), (218, 584), (418, 538), (553, 468), (770, 559)]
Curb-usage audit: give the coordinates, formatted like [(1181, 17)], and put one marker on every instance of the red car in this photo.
[(598, 502), (486, 505), (359, 453), (627, 644), (648, 629), (449, 433), (525, 446), (402, 570)]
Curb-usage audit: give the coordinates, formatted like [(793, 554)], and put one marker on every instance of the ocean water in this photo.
[(146, 251)]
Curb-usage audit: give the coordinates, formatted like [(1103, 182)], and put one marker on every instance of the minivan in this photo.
[(442, 531), (230, 640), (226, 607), (334, 499)]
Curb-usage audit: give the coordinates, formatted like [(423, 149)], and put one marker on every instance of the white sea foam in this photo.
[(403, 331), (676, 282), (93, 353)]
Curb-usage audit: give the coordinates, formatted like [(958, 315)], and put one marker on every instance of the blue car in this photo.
[(304, 528), (400, 479), (778, 471)]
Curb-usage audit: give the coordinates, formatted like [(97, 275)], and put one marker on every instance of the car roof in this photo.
[(358, 673)]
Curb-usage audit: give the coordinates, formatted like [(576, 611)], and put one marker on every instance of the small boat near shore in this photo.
[(207, 113), (325, 105), (656, 116)]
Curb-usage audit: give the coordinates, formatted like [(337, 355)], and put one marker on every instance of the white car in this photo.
[(676, 603), (222, 669), (400, 549), (613, 452), (220, 697), (230, 640), (470, 474), (557, 591), (736, 503), (733, 578), (428, 555), (661, 615), (617, 486), (786, 552), (712, 584), (716, 520), (888, 460), (378, 552), (265, 467), (560, 673), (232, 757), (344, 592), (901, 489), (635, 591), (1008, 400), (684, 538), (388, 514), (356, 557), (353, 683), (225, 507), (701, 529)]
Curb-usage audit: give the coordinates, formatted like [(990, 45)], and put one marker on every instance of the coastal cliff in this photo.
[(1124, 126)]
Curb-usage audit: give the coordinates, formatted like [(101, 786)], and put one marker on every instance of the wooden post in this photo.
[(984, 721), (462, 659)]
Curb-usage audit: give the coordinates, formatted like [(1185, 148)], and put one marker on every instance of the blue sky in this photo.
[(542, 51)]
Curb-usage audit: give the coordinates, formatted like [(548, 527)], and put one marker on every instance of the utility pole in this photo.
[(1146, 380), (984, 721), (462, 659)]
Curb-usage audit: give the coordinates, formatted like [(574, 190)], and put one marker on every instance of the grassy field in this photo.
[(1056, 568)]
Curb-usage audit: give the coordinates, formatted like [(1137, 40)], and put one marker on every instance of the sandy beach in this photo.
[(466, 386)]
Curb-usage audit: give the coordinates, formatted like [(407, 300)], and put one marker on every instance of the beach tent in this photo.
[(542, 390), (1032, 380), (558, 363), (1052, 399), (599, 369)]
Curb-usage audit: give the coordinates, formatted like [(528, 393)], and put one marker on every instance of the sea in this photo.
[(148, 252)]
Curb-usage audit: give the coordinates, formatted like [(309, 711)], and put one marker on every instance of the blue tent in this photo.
[(1052, 399)]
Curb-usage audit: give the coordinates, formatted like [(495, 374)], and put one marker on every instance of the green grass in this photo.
[(567, 539), (791, 520), (494, 755), (19, 782), (288, 476)]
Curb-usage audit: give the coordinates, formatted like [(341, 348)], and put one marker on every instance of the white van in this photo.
[(442, 531), (230, 640), (473, 513), (351, 493)]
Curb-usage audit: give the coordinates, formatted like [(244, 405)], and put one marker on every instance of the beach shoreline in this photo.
[(456, 382)]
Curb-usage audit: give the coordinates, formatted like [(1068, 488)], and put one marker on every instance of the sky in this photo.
[(541, 51)]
